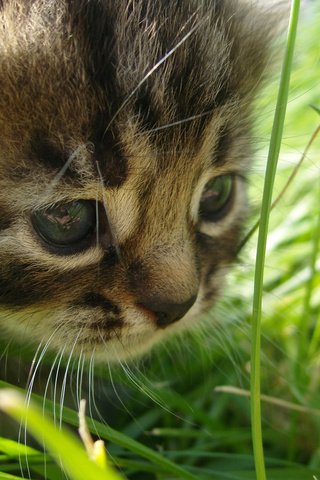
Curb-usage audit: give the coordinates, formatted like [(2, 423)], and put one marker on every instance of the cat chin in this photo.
[(126, 349), (132, 346)]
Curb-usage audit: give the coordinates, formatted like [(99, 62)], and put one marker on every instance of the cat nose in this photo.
[(168, 312)]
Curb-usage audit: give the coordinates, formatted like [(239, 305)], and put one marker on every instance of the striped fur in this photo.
[(133, 104)]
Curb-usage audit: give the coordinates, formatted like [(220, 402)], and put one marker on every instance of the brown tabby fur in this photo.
[(134, 104)]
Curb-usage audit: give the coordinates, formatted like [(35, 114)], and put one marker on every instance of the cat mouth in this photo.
[(118, 346), (119, 333), (121, 338)]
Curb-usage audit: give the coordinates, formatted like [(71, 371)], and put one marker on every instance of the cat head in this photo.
[(124, 148)]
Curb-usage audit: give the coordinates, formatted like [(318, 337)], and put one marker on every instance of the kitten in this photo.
[(124, 148)]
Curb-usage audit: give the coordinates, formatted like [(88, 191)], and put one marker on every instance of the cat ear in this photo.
[(255, 29)]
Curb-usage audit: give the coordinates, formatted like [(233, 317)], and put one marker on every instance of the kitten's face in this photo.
[(123, 147)]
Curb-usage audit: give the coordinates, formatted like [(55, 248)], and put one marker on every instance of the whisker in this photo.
[(33, 363), (79, 378), (97, 221), (143, 387), (63, 387), (117, 394), (55, 181), (31, 378), (91, 392), (55, 386), (5, 355), (44, 403), (180, 122), (49, 379), (151, 71)]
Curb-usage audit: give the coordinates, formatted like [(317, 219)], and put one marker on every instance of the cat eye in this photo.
[(216, 198), (68, 226)]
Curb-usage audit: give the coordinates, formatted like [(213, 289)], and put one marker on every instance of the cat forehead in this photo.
[(76, 69)]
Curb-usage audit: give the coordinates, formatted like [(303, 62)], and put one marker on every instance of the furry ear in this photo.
[(253, 28)]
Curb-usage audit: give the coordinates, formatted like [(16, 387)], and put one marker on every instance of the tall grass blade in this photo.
[(273, 155)]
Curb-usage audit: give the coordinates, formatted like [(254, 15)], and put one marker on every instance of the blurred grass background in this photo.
[(172, 400)]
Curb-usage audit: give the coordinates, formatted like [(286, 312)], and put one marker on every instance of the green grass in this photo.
[(168, 416), (273, 155)]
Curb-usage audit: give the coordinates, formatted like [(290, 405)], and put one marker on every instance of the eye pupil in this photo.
[(65, 225), (216, 198)]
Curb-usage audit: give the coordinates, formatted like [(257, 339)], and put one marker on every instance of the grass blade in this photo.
[(64, 447), (273, 155), (111, 435)]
